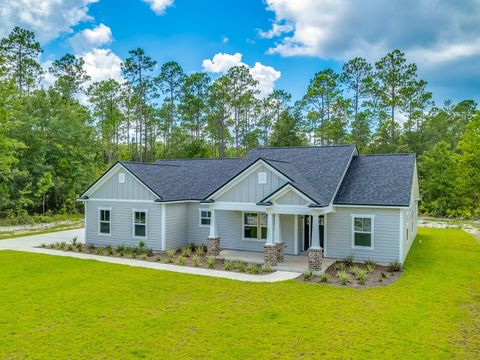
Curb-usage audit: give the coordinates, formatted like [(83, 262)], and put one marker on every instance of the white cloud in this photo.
[(91, 38), (275, 31), (102, 64), (265, 75), (221, 62), (47, 18), (159, 6)]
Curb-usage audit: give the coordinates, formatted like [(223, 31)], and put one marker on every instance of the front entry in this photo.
[(307, 231)]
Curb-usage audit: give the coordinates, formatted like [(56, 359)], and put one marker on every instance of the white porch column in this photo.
[(315, 233), (270, 229), (276, 232), (213, 241), (213, 224)]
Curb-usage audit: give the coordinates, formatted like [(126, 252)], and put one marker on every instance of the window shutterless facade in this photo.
[(362, 231), (140, 223), (205, 217), (254, 226), (104, 221)]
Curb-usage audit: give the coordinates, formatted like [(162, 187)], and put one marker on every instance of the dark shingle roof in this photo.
[(378, 180)]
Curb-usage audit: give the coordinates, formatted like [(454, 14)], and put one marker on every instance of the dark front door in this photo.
[(307, 231)]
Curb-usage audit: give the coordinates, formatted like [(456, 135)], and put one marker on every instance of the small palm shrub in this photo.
[(355, 270), (240, 266), (186, 251), (170, 255), (74, 240), (211, 262), (343, 277), (340, 266), (109, 250), (394, 266), (100, 251), (371, 263), (227, 265), (196, 260), (324, 278), (200, 251), (181, 260), (349, 261), (252, 268), (266, 268), (307, 275), (361, 277), (370, 268)]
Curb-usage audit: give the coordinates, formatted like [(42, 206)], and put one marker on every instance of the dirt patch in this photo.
[(379, 276)]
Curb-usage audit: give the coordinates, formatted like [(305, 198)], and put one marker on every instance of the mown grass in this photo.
[(21, 233), (54, 307)]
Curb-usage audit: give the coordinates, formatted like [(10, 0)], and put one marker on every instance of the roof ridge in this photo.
[(392, 154), (189, 159), (143, 163), (300, 147)]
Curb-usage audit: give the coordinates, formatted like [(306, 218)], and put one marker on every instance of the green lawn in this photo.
[(54, 307)]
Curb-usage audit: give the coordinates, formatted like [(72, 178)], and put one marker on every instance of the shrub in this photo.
[(158, 259), (91, 247), (383, 275), (120, 253), (100, 251), (70, 247), (362, 276), (200, 251), (186, 251), (196, 260), (149, 252), (62, 245), (74, 240), (266, 268), (79, 246), (340, 266), (307, 275), (143, 257), (349, 261), (181, 260), (252, 268), (227, 265), (371, 263), (324, 278), (43, 245), (240, 266), (120, 248), (211, 262), (394, 266), (370, 268), (109, 250), (141, 244), (355, 270), (170, 255), (343, 277)]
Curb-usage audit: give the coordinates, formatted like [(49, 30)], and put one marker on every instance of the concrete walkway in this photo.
[(31, 243)]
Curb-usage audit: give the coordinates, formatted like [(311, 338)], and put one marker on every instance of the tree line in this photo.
[(55, 140)]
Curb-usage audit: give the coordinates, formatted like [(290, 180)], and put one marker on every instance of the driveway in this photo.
[(27, 242)]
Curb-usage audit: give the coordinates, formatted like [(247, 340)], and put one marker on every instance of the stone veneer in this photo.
[(315, 259), (270, 254), (213, 245), (280, 248)]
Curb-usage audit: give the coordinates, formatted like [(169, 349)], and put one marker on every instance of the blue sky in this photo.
[(290, 39)]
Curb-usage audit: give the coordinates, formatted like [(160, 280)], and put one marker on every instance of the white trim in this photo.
[(163, 229), (200, 217), (237, 179), (110, 221), (370, 206), (372, 231), (146, 224), (325, 237), (280, 209), (122, 200), (249, 207), (105, 177), (259, 226), (295, 236), (400, 248), (286, 188)]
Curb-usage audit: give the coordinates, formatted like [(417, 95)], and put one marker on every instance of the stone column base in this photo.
[(280, 248), (270, 254), (315, 259), (213, 245)]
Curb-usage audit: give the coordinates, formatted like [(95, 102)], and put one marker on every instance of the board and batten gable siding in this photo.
[(248, 190), (386, 232), (131, 189), (291, 198), (121, 226), (176, 229)]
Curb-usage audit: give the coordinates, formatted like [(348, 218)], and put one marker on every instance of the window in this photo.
[(121, 178), (262, 177), (254, 226), (139, 223), (205, 217), (362, 231), (104, 221)]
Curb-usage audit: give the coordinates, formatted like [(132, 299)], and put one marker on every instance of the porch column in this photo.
[(315, 251), (213, 241), (270, 248), (278, 239)]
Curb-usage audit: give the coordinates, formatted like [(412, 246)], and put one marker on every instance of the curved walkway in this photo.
[(31, 243)]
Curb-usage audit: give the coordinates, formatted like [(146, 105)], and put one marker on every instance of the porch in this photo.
[(295, 263)]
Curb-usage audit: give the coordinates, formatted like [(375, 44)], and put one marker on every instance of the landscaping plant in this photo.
[(181, 260), (227, 265), (186, 251), (211, 262), (324, 278), (240, 266), (394, 266), (343, 277), (170, 255), (266, 268), (196, 260), (307, 275)]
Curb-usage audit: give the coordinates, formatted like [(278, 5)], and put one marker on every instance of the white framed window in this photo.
[(362, 231), (205, 217), (262, 177), (139, 223), (254, 226), (121, 178), (104, 221)]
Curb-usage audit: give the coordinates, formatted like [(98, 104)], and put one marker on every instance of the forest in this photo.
[(56, 140)]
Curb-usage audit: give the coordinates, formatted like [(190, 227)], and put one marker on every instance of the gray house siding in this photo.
[(249, 190), (386, 232), (121, 227), (176, 229), (130, 189), (290, 198)]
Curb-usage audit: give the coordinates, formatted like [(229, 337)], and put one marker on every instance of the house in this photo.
[(324, 201)]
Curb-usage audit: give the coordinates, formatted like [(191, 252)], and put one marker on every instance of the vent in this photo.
[(262, 177), (121, 178)]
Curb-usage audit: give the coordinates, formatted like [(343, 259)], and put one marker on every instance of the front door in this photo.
[(307, 231)]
